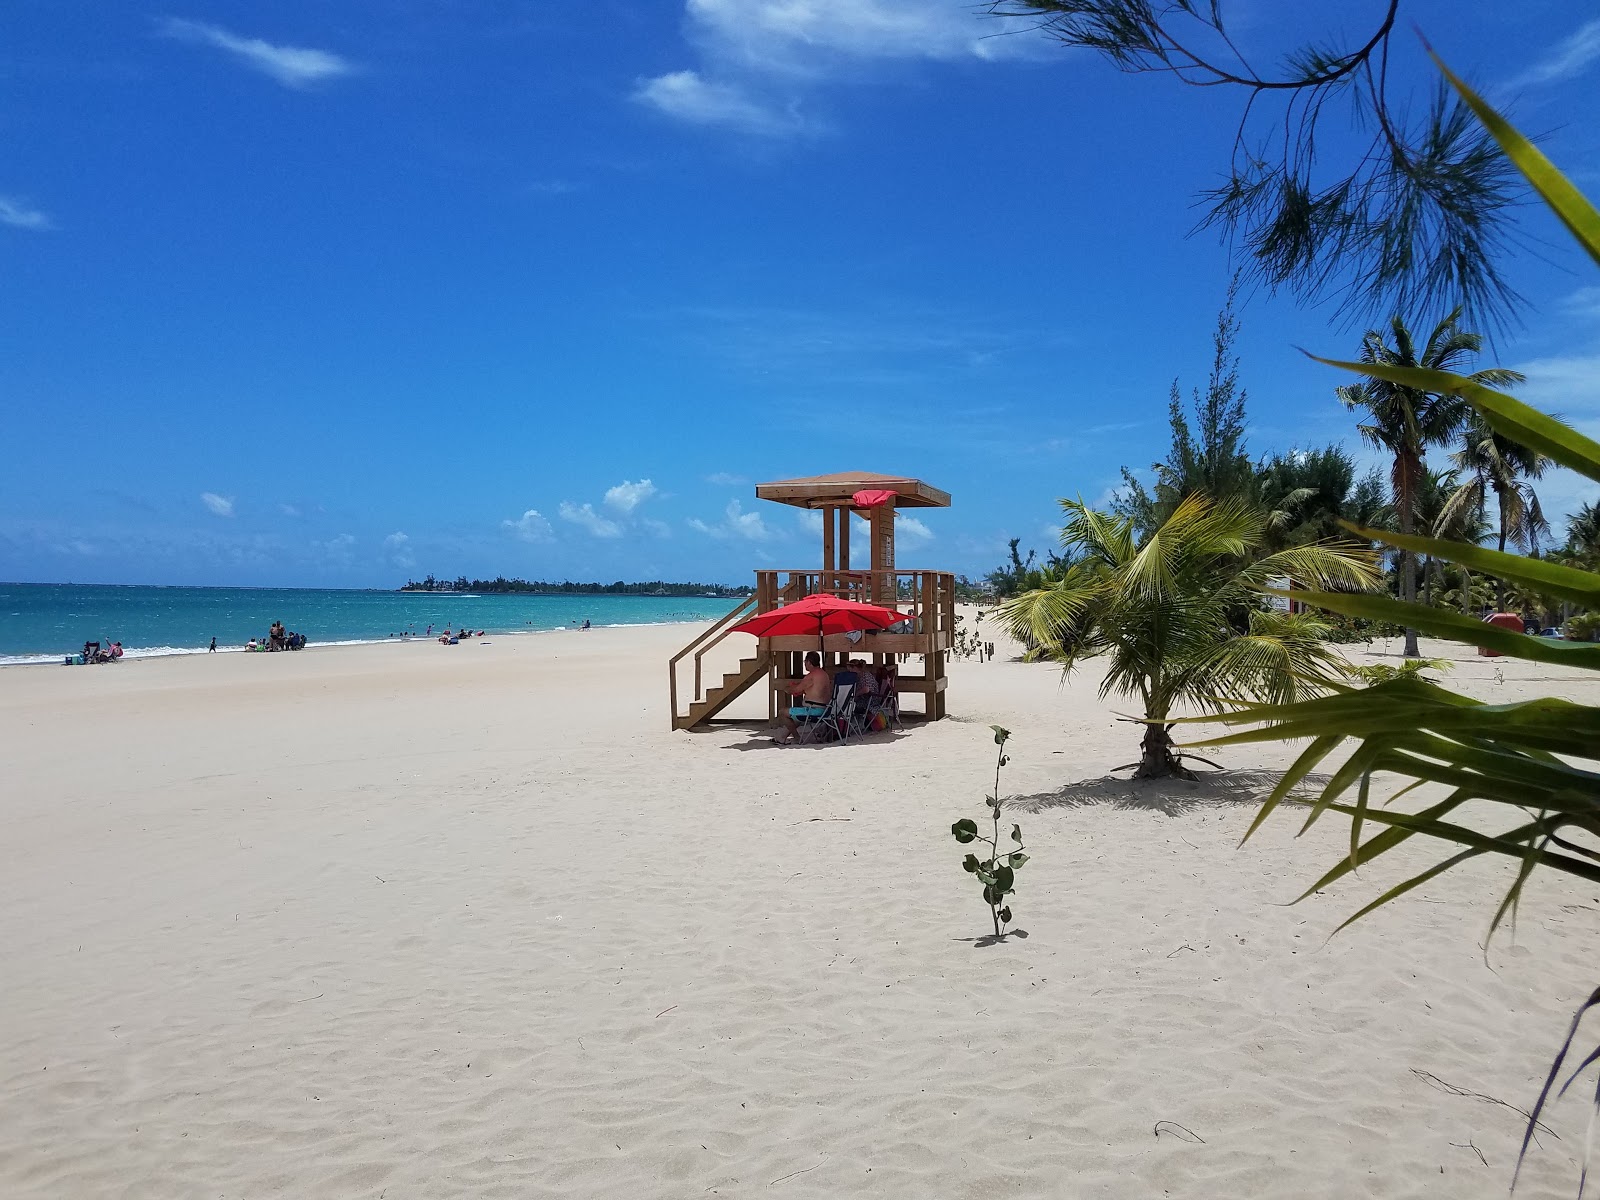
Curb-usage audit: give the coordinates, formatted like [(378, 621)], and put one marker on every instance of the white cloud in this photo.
[(1585, 302), (531, 526), (735, 524), (585, 517), (908, 531), (724, 479), (397, 551), (1569, 384), (338, 548), (803, 34), (289, 510), (688, 96), (757, 54), (292, 66), (18, 215), (657, 528), (810, 520), (221, 506), (626, 496), (1569, 57)]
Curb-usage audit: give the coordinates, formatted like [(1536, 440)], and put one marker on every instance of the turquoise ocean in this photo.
[(42, 623)]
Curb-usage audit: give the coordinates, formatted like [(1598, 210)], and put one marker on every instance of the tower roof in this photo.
[(820, 491)]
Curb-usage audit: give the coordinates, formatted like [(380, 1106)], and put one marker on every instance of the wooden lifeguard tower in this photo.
[(928, 596)]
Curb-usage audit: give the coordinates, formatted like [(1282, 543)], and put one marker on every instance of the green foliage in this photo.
[(1177, 613), (1207, 453), (1405, 418), (1376, 673), (998, 872), (1021, 575), (1585, 627), (1420, 206), (1537, 760)]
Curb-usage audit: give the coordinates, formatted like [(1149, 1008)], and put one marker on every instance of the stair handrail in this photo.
[(699, 650)]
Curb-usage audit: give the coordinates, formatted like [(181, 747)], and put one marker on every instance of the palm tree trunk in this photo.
[(1466, 592), (1156, 757), (1500, 584), (1408, 573), (1427, 581)]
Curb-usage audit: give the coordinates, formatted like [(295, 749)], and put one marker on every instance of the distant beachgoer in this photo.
[(251, 644), (213, 649), (586, 623), (430, 630)]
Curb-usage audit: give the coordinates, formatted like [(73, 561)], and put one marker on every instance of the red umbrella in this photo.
[(820, 614)]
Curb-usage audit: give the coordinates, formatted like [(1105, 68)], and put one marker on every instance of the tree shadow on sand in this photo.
[(1170, 797)]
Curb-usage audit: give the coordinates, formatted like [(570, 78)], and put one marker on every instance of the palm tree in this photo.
[(1433, 498), (1406, 420), (1177, 615), (1494, 463), (1583, 531)]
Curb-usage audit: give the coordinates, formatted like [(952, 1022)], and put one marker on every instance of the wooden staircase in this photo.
[(734, 684)]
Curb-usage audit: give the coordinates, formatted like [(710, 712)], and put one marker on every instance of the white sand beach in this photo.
[(426, 921)]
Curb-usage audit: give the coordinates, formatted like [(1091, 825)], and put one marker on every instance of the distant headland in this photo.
[(566, 587)]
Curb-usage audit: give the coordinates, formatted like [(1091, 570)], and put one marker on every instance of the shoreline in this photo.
[(145, 653)]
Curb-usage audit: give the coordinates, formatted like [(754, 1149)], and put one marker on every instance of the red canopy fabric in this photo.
[(872, 498), (819, 615)]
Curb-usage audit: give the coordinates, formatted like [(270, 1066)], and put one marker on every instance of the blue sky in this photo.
[(333, 294)]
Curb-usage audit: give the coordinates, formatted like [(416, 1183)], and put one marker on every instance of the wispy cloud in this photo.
[(552, 187), (531, 526), (293, 66), (19, 215), (688, 96), (626, 496), (585, 517), (221, 506), (735, 524), (1569, 57), (810, 35), (338, 549), (724, 479), (908, 531), (1585, 302), (757, 58), (397, 551)]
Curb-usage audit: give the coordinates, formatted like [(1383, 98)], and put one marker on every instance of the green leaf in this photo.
[(1000, 734), (1005, 915), (985, 875), (1446, 624), (1510, 417), (1016, 833), (965, 829), (1535, 574), (1004, 877), (969, 863), (1017, 859), (1566, 201), (992, 894)]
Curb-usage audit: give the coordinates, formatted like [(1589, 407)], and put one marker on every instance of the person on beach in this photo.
[(814, 690), (213, 649)]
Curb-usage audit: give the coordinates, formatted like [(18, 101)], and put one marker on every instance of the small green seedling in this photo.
[(998, 872)]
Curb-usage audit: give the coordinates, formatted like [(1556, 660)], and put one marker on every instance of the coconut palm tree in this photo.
[(1405, 420), (1583, 531), (1177, 616), (1493, 463)]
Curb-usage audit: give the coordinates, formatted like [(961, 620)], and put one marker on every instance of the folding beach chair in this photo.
[(886, 702), (834, 718)]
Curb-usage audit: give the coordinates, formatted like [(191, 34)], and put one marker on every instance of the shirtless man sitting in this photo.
[(814, 691)]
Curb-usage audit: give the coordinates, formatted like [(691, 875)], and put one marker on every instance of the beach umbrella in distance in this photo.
[(820, 614)]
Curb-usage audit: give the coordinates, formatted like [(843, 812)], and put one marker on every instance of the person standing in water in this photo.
[(213, 649)]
